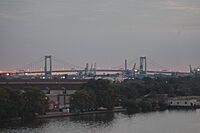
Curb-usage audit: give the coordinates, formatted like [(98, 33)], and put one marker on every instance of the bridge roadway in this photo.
[(43, 84), (107, 70)]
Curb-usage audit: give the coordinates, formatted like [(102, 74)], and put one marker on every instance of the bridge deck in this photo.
[(34, 82)]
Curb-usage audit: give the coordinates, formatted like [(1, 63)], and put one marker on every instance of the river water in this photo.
[(182, 121)]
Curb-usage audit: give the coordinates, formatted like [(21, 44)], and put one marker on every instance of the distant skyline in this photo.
[(103, 31)]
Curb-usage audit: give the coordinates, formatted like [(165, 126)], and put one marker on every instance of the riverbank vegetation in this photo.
[(135, 95), (24, 103), (93, 95)]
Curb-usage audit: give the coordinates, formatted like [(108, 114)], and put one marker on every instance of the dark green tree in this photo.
[(33, 102), (83, 100), (9, 103), (105, 94)]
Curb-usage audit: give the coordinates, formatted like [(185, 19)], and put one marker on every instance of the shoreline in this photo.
[(64, 114)]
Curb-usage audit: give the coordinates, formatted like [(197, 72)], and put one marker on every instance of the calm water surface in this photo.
[(154, 122)]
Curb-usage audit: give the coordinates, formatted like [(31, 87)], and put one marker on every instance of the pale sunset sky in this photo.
[(102, 31)]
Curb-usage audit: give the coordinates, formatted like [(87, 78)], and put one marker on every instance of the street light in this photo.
[(46, 98)]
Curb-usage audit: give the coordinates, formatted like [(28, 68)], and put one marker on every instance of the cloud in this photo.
[(7, 16), (182, 6)]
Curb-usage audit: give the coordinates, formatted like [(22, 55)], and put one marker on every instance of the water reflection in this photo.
[(98, 119), (173, 121), (29, 124), (94, 118)]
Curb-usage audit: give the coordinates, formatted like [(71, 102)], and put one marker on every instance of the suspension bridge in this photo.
[(50, 65)]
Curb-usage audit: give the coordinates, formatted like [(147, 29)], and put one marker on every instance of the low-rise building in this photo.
[(58, 101), (190, 101), (59, 98)]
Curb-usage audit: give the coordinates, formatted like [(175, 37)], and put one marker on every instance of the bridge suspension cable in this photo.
[(157, 65), (64, 63), (130, 64), (32, 65)]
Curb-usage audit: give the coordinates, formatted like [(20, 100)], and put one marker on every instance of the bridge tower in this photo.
[(125, 72), (95, 68), (126, 66), (48, 65), (143, 66)]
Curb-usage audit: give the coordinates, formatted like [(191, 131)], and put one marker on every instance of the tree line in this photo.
[(25, 103), (135, 95)]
